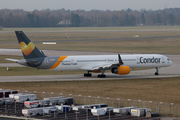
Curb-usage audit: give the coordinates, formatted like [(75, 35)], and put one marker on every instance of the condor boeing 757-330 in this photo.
[(118, 64)]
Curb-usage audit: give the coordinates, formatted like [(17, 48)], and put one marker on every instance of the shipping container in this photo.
[(109, 110), (68, 100), (98, 111), (1, 94), (7, 92), (121, 111), (23, 97), (56, 100), (129, 109), (138, 112), (29, 112), (76, 108), (64, 108), (20, 97)]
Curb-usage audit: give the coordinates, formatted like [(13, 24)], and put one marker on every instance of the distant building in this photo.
[(64, 22)]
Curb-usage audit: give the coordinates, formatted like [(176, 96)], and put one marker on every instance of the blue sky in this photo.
[(30, 5)]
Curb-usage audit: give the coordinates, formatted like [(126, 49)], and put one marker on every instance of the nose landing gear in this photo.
[(157, 71)]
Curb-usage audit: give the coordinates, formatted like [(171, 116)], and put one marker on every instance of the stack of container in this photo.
[(36, 103), (98, 111), (23, 97), (5, 93), (140, 111), (64, 108), (123, 110)]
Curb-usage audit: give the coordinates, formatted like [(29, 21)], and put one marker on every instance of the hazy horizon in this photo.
[(87, 5)]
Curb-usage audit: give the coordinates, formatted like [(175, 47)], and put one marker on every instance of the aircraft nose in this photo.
[(170, 62)]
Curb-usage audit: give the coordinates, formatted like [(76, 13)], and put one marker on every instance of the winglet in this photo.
[(120, 60)]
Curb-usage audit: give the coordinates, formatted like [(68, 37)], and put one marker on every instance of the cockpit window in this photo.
[(168, 59)]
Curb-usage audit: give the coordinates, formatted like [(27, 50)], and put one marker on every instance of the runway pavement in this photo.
[(171, 71)]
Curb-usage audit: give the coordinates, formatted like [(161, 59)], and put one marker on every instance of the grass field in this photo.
[(157, 90), (94, 41)]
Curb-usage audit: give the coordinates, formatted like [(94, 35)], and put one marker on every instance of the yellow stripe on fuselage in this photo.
[(58, 62)]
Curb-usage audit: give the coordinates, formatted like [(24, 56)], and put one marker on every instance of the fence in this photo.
[(165, 109)]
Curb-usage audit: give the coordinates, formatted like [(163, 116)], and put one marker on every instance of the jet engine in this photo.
[(122, 70)]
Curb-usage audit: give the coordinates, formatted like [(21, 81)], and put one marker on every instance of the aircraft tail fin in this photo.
[(29, 50)]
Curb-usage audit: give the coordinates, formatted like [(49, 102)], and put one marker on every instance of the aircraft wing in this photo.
[(103, 65), (99, 66), (14, 60)]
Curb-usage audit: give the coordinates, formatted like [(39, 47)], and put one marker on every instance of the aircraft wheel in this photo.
[(156, 73), (87, 75), (101, 76)]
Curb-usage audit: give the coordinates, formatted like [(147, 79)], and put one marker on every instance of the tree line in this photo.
[(93, 18)]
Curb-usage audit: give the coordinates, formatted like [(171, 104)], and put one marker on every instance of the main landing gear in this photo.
[(102, 75), (87, 74), (157, 71)]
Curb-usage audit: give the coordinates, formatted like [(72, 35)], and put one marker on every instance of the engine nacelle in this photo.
[(122, 70)]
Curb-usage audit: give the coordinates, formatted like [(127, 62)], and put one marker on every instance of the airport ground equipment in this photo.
[(57, 100), (129, 109), (36, 111), (1, 102), (121, 111), (60, 100), (36, 103), (76, 108), (51, 111), (98, 111), (140, 111), (6, 101), (23, 97), (63, 108), (68, 100), (109, 110), (29, 112), (5, 93)]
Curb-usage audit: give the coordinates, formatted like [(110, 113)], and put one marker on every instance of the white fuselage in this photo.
[(133, 61)]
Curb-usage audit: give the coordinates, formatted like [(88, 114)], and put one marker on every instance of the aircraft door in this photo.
[(73, 62), (138, 60), (163, 60), (46, 61)]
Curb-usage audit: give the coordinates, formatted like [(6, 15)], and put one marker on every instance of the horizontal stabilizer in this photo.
[(14, 60)]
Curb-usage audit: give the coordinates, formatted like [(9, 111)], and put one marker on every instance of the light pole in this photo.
[(107, 100), (130, 100), (118, 102), (138, 102), (90, 99), (52, 94)]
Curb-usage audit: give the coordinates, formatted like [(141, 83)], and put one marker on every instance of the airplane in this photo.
[(118, 64)]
